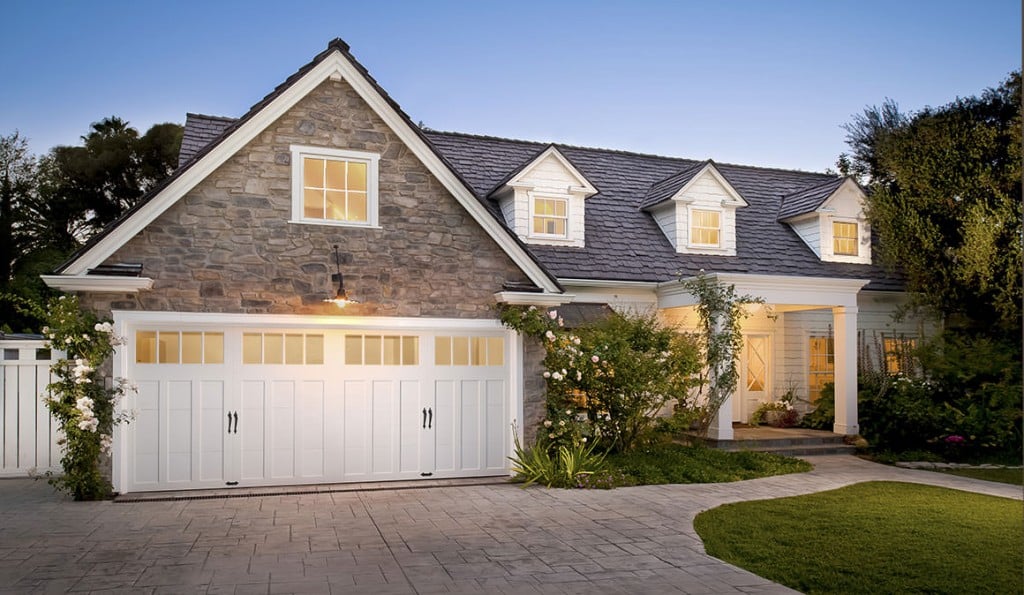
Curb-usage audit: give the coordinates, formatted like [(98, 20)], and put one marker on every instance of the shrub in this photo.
[(605, 381), (569, 466)]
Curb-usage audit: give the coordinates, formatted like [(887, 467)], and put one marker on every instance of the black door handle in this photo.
[(424, 417), (229, 422), (236, 422), (430, 423)]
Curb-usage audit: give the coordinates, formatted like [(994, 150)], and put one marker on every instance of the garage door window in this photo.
[(174, 347), (382, 350), (282, 348), (469, 351)]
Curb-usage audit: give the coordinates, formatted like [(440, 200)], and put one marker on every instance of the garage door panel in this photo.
[(282, 429), (357, 418), (411, 428), (496, 438), (469, 418), (385, 412), (250, 429), (179, 434), (209, 453), (310, 429), (445, 423), (146, 427)]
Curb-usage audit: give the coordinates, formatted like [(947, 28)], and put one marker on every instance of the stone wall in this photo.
[(227, 246)]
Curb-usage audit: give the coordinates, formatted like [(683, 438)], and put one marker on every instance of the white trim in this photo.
[(690, 208), (775, 289), (372, 162), (334, 64), (585, 188), (233, 319), (111, 283), (737, 200), (551, 237), (529, 298)]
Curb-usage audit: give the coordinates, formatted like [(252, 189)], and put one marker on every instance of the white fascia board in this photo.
[(331, 66), (529, 298), (233, 319), (585, 187), (97, 283), (737, 200), (822, 292)]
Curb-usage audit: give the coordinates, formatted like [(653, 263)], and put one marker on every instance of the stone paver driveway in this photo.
[(493, 538)]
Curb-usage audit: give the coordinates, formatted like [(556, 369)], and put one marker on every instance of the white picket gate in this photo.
[(28, 435)]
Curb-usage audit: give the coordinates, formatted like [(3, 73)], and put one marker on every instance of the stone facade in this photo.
[(227, 246)]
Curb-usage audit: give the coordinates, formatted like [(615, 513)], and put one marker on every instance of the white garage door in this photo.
[(249, 405)]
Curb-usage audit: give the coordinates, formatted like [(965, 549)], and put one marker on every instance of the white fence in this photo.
[(28, 435)]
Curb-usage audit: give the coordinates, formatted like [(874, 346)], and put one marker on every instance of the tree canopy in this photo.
[(944, 198), (50, 206)]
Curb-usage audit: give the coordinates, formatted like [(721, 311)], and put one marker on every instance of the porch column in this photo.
[(721, 426), (844, 320)]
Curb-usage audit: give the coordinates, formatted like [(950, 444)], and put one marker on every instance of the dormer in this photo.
[(696, 210), (543, 202), (830, 219)]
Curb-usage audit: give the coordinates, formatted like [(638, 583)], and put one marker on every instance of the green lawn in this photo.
[(675, 463), (1011, 476), (878, 537)]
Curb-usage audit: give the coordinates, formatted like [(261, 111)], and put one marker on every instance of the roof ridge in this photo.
[(622, 152)]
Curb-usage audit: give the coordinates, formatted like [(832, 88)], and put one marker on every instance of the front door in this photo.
[(755, 381)]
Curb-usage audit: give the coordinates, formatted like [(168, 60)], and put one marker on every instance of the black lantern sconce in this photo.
[(341, 298)]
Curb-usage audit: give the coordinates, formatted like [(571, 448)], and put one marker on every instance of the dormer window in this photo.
[(830, 219), (550, 217), (543, 202), (705, 228), (696, 210), (845, 238)]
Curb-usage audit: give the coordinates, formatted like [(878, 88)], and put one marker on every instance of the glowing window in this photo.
[(550, 217), (334, 186), (844, 238), (705, 227)]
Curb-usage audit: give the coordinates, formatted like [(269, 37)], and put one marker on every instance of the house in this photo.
[(310, 297)]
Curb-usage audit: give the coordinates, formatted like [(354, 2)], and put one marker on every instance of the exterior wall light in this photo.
[(341, 298)]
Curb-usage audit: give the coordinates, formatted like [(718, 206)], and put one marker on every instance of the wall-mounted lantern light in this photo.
[(340, 298)]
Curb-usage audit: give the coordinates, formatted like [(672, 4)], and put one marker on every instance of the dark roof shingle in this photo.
[(807, 200)]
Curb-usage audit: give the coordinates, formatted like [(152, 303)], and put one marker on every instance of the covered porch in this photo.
[(773, 361)]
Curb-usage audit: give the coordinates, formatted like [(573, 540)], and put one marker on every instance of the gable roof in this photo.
[(549, 151), (807, 200), (335, 61), (672, 186), (200, 130)]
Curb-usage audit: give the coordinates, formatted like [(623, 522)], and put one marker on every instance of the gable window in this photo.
[(844, 238), (705, 227), (550, 217), (334, 187)]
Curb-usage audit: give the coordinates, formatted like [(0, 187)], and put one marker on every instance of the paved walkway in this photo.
[(493, 538)]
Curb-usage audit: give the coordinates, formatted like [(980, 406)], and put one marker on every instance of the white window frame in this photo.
[(533, 197), (689, 226), (372, 161), (856, 237)]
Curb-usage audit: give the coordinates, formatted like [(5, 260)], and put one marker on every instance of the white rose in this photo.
[(553, 314)]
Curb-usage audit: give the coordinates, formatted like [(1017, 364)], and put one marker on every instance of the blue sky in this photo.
[(753, 82)]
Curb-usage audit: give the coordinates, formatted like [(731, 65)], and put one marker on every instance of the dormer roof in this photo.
[(808, 200), (521, 173), (677, 184)]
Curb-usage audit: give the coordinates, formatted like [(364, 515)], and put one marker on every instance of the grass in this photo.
[(675, 463), (877, 537), (1011, 476)]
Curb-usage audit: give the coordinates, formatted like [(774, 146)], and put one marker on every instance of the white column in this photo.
[(721, 426), (844, 321)]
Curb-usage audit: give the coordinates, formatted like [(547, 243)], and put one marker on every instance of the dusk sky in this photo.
[(752, 82)]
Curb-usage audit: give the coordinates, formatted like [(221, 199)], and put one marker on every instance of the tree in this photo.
[(113, 168), (17, 180), (944, 198)]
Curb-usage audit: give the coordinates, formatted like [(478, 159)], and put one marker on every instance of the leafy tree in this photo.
[(17, 180), (945, 201)]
